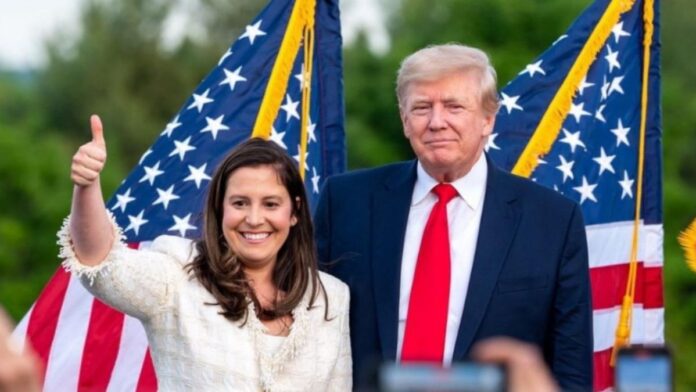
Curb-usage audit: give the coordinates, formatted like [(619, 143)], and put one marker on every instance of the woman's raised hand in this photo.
[(90, 158)]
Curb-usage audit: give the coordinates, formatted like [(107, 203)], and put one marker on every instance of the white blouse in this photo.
[(193, 347)]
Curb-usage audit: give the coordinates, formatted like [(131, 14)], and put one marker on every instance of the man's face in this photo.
[(445, 123)]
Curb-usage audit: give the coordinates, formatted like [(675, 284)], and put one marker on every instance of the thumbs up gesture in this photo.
[(90, 158)]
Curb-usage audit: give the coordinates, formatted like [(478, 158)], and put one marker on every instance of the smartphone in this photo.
[(461, 376), (643, 368)]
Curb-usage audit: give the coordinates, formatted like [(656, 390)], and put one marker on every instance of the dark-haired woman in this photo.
[(244, 308)]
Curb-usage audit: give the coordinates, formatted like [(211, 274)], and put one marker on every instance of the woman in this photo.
[(245, 308)]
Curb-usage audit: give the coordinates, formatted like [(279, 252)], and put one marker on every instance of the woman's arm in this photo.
[(90, 227)]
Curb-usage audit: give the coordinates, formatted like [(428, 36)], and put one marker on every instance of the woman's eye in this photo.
[(238, 203)]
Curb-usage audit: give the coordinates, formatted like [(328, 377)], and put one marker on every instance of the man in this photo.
[(448, 250)]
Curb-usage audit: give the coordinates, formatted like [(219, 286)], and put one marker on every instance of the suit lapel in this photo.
[(390, 209), (499, 220)]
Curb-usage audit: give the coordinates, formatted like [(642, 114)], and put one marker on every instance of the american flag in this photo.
[(86, 345), (594, 160)]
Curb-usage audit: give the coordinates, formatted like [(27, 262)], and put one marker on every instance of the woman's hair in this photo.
[(436, 61), (219, 269)]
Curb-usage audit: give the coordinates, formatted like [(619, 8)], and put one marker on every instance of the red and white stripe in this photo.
[(88, 346), (609, 248)]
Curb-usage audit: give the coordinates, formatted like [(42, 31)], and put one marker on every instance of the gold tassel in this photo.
[(687, 240)]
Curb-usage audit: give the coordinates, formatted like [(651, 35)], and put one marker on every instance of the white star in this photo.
[(605, 89), (290, 108), (182, 225), (253, 31), (232, 78), (583, 85), (541, 161), (573, 140), (277, 138), (531, 69), (123, 200), (586, 191), (616, 85), (315, 180), (301, 77), (599, 115), (136, 222), (225, 56), (181, 148), (197, 175), (578, 111), (200, 100), (621, 134), (626, 186), (510, 103), (151, 172), (604, 161), (310, 131), (490, 143), (566, 168), (559, 39), (619, 32), (214, 126), (142, 158), (297, 157), (171, 126), (165, 197), (612, 59)]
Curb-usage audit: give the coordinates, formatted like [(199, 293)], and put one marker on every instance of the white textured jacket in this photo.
[(195, 348)]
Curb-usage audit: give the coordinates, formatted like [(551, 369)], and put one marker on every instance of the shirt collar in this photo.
[(470, 188)]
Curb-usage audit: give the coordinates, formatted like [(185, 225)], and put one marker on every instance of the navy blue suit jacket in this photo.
[(530, 277)]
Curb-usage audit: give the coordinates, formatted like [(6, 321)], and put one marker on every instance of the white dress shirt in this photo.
[(464, 219)]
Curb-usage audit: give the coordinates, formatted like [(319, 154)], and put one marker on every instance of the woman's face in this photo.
[(257, 215)]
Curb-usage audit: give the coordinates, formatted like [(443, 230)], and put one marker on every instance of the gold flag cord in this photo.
[(550, 125), (306, 89), (300, 27), (623, 330)]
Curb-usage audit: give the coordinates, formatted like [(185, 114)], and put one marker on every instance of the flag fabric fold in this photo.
[(86, 345), (594, 159)]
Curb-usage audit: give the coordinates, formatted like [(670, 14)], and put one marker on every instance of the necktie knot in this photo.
[(445, 192)]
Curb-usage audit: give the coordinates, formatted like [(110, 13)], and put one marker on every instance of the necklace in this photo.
[(272, 363)]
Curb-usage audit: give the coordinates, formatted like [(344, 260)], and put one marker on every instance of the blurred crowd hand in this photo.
[(525, 366), (19, 371)]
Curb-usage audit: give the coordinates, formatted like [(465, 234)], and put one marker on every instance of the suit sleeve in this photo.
[(322, 226), (572, 345)]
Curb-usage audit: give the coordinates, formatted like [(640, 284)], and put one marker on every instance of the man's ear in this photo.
[(402, 115), (488, 124)]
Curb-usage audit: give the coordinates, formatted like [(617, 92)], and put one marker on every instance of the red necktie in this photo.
[(426, 322)]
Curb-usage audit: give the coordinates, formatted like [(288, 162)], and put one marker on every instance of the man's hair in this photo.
[(437, 61)]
